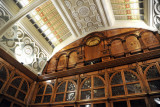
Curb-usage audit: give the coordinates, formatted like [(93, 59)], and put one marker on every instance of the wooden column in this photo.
[(125, 48), (144, 48), (30, 93), (67, 62)]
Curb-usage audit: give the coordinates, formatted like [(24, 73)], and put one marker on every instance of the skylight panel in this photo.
[(50, 36), (47, 32), (128, 9), (44, 27), (47, 21)]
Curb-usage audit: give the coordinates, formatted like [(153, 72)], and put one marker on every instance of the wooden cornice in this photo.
[(103, 65), (4, 55)]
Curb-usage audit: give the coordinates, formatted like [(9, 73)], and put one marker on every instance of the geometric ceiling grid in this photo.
[(128, 9), (20, 45), (49, 23)]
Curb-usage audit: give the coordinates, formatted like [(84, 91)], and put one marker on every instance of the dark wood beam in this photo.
[(4, 55), (103, 65)]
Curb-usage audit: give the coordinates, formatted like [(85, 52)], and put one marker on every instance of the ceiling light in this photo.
[(50, 36), (54, 39), (44, 27), (47, 32), (24, 2), (134, 6), (37, 17), (34, 12), (134, 0)]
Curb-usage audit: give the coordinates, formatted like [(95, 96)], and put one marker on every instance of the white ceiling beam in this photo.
[(65, 19), (22, 13)]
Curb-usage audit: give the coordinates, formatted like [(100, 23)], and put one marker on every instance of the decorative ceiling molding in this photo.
[(21, 46), (156, 14), (85, 16)]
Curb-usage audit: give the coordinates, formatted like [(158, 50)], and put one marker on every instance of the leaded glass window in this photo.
[(92, 87), (18, 88), (44, 93), (130, 103), (66, 91), (153, 77), (3, 75), (125, 82)]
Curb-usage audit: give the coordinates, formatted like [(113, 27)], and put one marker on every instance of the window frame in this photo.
[(65, 91), (92, 88), (124, 83)]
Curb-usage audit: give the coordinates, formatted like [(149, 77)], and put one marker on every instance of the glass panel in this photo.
[(117, 79), (70, 96), (68, 106), (15, 105), (46, 98), (87, 84), (138, 103), (86, 95), (119, 90), (1, 84), (144, 68), (98, 82), (130, 77), (134, 88), (3, 73), (21, 96), (120, 104), (99, 105), (16, 82), (157, 102), (24, 86), (99, 93), (38, 99), (154, 85), (61, 88), (41, 90), (71, 86), (11, 91), (5, 103), (152, 73), (48, 89), (59, 97), (88, 105)]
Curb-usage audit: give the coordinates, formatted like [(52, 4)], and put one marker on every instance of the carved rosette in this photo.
[(20, 45), (156, 13), (85, 14)]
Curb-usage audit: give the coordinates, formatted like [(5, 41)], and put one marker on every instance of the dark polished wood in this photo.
[(102, 65)]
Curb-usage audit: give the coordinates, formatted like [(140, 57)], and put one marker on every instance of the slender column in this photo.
[(22, 13), (31, 92)]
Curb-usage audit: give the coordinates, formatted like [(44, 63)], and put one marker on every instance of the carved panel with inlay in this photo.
[(117, 48), (149, 39)]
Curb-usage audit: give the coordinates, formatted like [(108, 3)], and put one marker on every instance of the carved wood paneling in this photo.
[(73, 57), (93, 52), (117, 48), (133, 44), (62, 62), (149, 39), (97, 45)]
